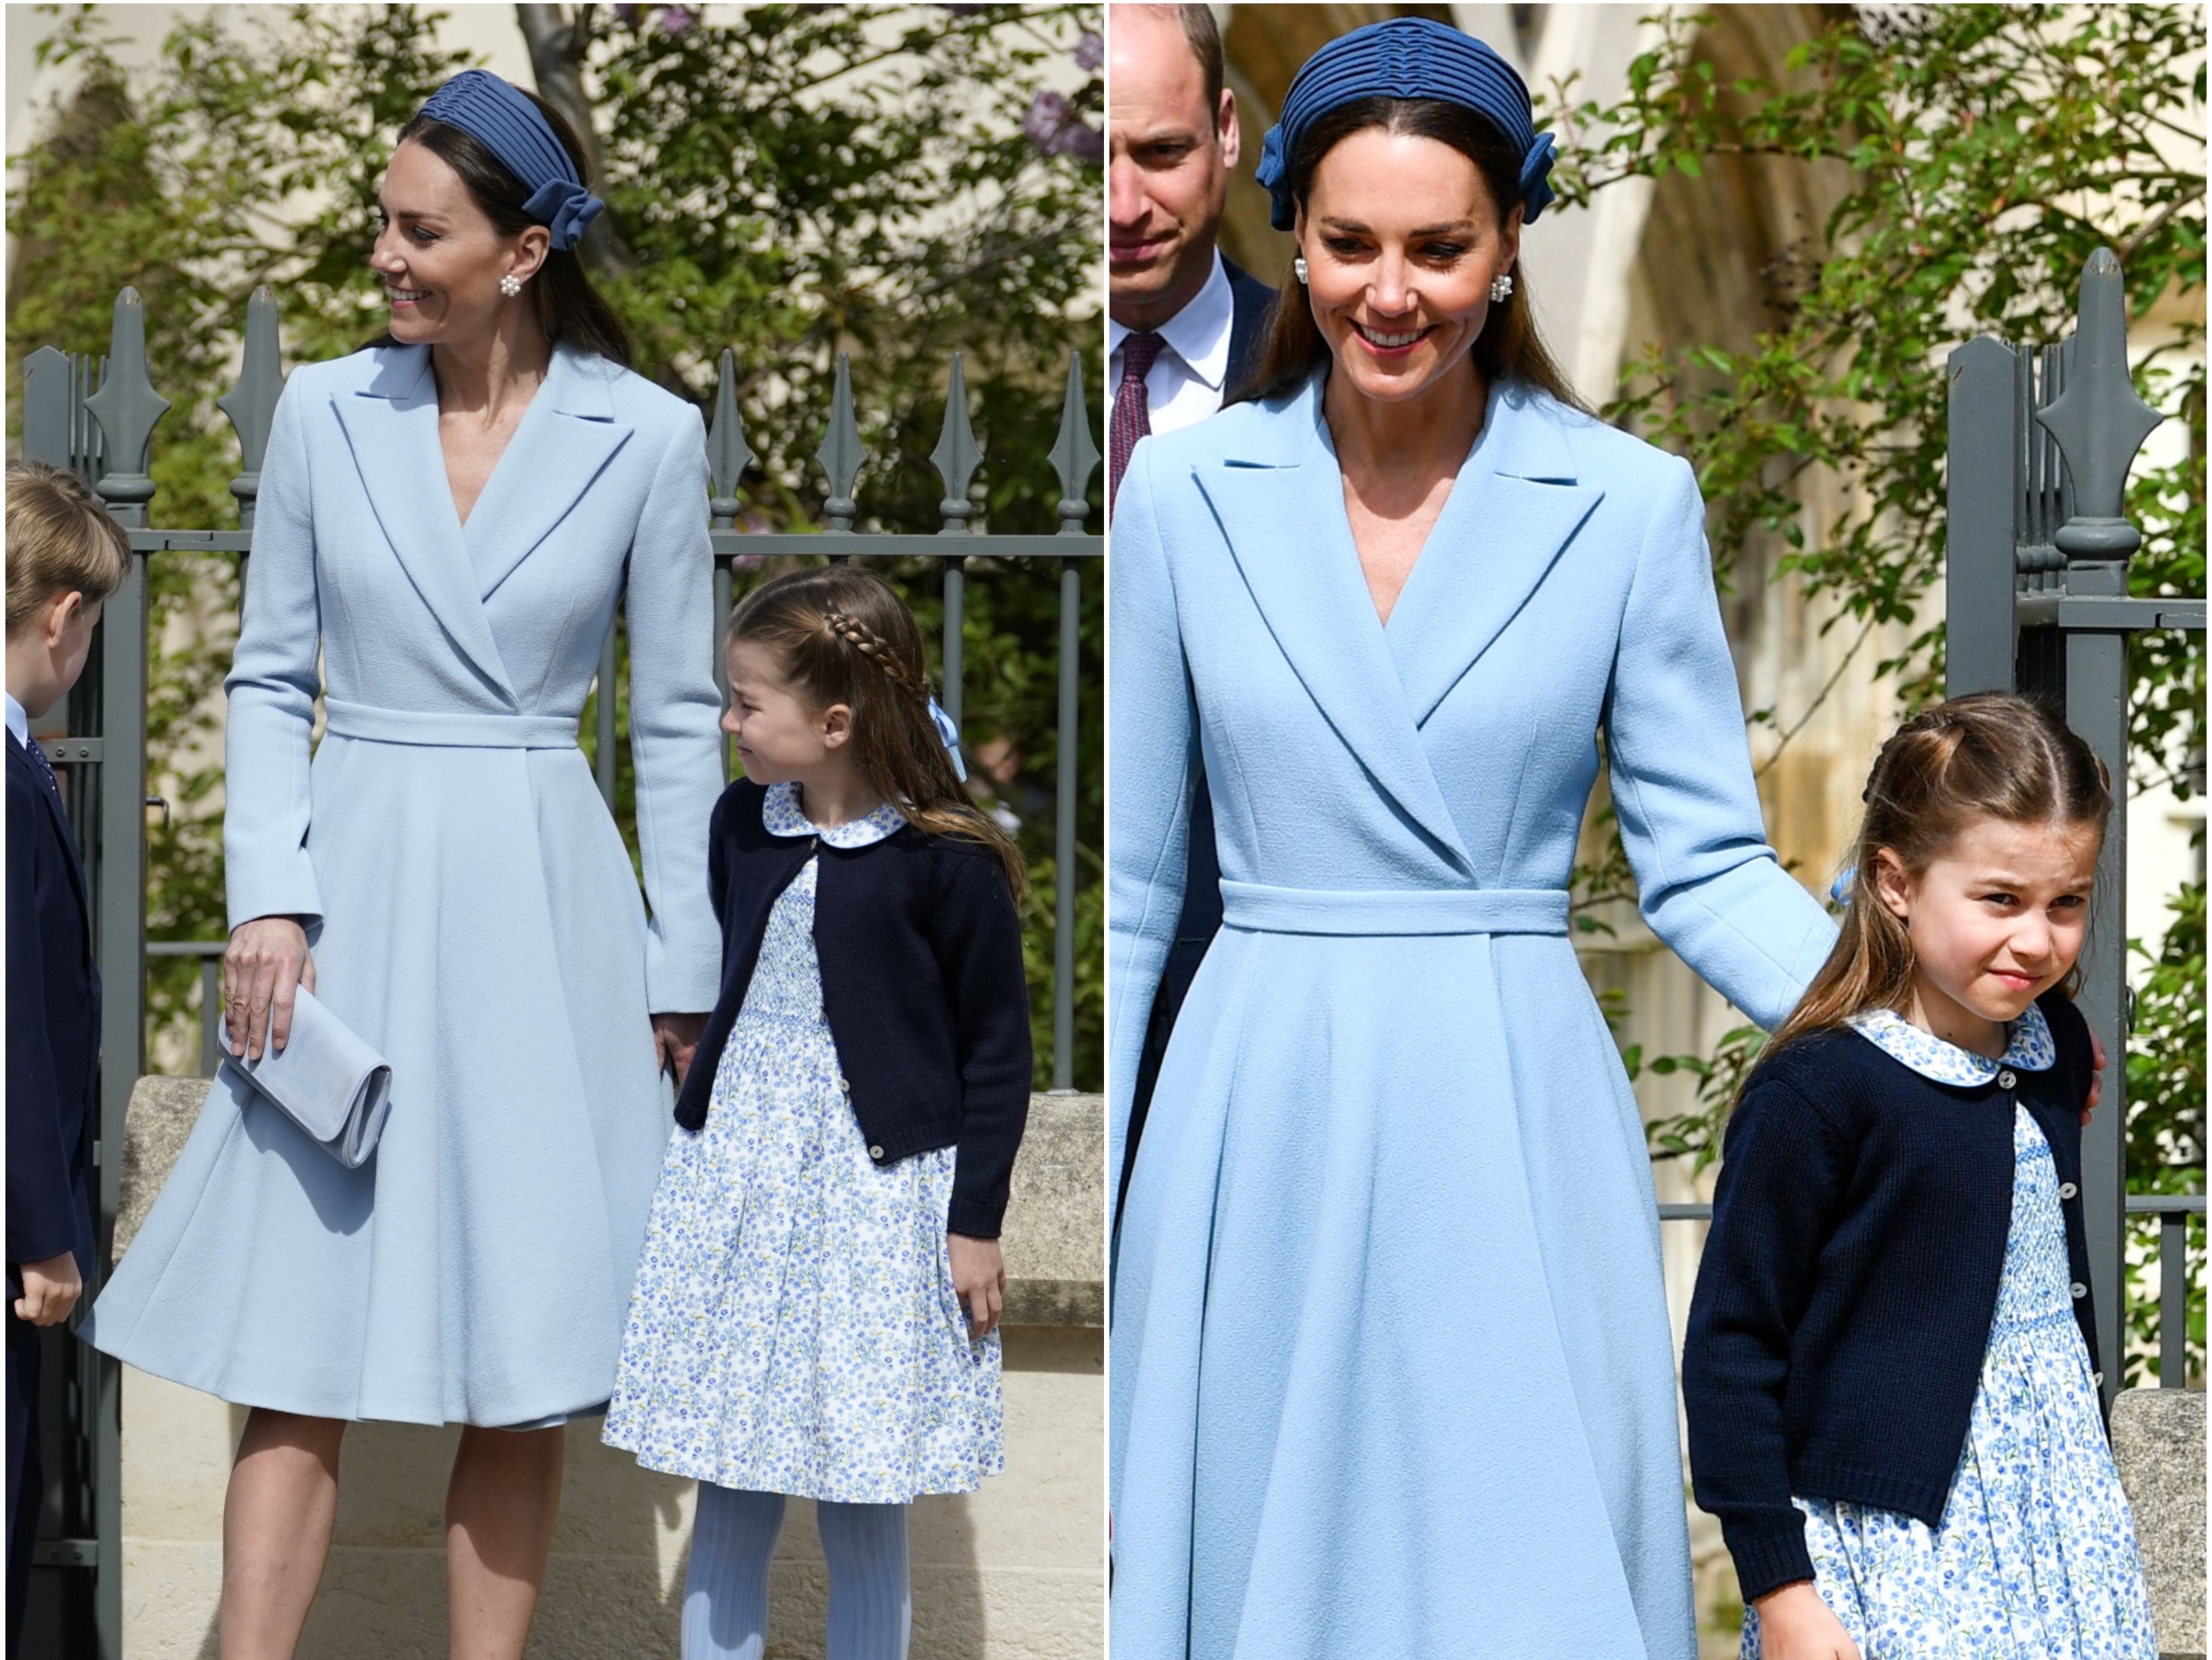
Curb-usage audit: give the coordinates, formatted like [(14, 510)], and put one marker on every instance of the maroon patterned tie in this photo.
[(1132, 410)]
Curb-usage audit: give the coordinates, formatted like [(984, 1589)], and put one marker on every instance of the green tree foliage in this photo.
[(892, 182), (1984, 153)]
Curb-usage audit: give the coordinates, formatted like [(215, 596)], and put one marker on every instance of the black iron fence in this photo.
[(96, 417)]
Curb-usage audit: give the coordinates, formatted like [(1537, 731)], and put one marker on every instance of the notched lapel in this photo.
[(1288, 531), (1491, 547), (564, 442), (391, 427)]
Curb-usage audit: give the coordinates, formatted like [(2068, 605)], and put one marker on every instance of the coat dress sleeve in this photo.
[(977, 938), (274, 677), (42, 1220), (1153, 755), (1708, 883), (675, 713), (1783, 1173)]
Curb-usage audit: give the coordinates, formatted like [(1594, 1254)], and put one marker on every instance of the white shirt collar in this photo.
[(781, 816), (1199, 333), (18, 722), (2031, 1048)]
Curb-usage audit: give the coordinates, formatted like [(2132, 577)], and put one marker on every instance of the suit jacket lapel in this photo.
[(567, 437), (1286, 528), (1514, 506), (392, 428), (64, 833)]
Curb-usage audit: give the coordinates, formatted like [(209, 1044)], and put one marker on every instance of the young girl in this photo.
[(1889, 1370), (831, 1199)]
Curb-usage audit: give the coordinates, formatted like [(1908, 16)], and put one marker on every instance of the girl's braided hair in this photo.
[(843, 635), (1987, 755)]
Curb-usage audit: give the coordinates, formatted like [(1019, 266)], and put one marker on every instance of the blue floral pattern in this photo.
[(2028, 1047), (2035, 1558), (794, 1328)]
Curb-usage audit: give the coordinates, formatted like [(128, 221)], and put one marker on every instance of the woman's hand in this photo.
[(266, 963), (979, 1275), (51, 1289), (2096, 1079), (675, 1037), (1794, 1624)]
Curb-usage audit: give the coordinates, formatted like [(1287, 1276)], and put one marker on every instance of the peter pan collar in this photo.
[(2030, 1049), (781, 816)]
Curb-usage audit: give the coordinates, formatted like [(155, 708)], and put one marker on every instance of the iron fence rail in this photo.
[(96, 417)]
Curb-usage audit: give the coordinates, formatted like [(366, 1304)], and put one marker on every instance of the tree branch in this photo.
[(557, 60)]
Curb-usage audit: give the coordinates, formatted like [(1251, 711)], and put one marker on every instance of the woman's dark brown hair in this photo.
[(570, 311), (1989, 754), (1508, 348), (842, 635)]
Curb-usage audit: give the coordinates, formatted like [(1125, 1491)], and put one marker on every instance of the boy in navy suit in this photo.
[(65, 556)]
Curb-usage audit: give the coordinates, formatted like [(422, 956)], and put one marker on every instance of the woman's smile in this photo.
[(1390, 344)]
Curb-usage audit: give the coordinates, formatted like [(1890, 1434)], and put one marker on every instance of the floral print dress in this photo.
[(794, 1328), (2035, 1558)]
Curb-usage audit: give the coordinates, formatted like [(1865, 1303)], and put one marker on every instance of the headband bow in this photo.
[(1406, 57), (514, 130)]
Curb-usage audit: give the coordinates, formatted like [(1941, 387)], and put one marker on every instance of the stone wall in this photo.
[(1015, 1572)]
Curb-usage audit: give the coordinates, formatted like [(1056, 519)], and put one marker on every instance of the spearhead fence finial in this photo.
[(841, 454), (127, 407), (1074, 456), (251, 404), (728, 455), (2099, 421), (956, 455)]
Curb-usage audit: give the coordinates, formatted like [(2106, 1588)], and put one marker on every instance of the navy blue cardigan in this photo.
[(1844, 1304), (922, 985)]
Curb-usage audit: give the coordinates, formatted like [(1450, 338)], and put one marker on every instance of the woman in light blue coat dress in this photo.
[(1392, 1370), (446, 523)]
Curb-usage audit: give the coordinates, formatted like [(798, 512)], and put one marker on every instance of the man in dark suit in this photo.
[(1185, 330), (65, 556)]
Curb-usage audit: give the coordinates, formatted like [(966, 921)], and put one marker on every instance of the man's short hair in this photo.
[(60, 540), (1204, 36)]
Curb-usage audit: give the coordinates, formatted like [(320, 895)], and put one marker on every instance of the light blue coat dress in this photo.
[(1392, 1371), (478, 919)]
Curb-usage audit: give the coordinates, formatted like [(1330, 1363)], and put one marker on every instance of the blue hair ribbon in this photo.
[(1406, 57), (949, 734), (499, 117)]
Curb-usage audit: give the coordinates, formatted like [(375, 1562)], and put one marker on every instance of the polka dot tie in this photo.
[(1133, 410)]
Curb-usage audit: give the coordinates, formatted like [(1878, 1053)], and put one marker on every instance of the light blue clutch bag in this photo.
[(325, 1079)]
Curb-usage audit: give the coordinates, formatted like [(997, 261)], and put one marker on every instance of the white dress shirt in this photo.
[(18, 722), (1185, 382)]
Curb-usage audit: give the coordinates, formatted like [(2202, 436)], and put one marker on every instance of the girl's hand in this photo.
[(675, 1037), (979, 1275), (1794, 1624), (267, 963), (51, 1289)]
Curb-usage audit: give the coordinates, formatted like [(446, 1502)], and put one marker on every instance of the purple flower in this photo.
[(1049, 113), (1089, 50), (1085, 144), (677, 19)]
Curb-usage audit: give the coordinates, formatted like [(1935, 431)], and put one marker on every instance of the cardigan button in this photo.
[(844, 1086), (876, 1154), (2097, 1378), (2007, 1080), (2080, 1291), (2067, 1189)]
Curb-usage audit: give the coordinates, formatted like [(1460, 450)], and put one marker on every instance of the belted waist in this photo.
[(449, 729), (1265, 909)]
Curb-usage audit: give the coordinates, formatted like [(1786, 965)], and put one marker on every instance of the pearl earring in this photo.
[(510, 285), (1299, 269), (1501, 286)]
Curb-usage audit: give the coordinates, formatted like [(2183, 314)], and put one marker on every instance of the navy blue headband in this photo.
[(1406, 57), (514, 130)]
